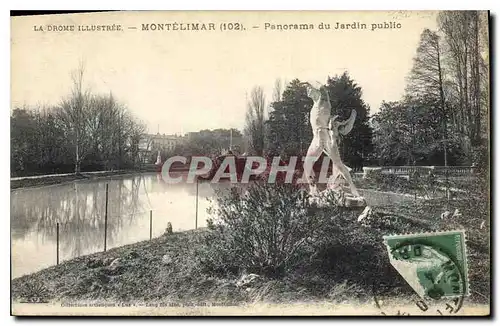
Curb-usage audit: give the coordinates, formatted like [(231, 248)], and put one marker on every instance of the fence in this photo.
[(438, 170), (105, 236)]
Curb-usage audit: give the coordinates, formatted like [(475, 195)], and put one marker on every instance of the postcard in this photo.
[(250, 163)]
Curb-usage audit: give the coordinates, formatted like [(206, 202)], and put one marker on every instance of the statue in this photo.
[(326, 130), (158, 159)]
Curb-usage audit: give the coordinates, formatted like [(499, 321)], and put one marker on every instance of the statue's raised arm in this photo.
[(344, 127)]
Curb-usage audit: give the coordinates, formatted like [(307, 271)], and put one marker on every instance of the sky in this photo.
[(184, 81)]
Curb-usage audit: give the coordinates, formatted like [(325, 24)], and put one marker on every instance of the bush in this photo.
[(424, 183), (481, 156), (263, 229), (370, 172), (388, 182)]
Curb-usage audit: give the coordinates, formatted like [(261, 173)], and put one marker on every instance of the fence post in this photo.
[(57, 243), (196, 219), (106, 219), (150, 224)]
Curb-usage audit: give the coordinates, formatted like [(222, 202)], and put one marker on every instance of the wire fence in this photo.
[(135, 213)]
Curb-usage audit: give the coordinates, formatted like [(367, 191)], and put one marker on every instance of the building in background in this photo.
[(152, 143), (164, 142)]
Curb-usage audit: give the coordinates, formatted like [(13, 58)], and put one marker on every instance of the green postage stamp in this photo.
[(434, 264)]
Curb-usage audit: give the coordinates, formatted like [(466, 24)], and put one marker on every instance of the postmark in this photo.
[(413, 305)]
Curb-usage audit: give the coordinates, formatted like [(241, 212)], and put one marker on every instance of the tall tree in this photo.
[(86, 131), (289, 129), (255, 121), (277, 90), (464, 39), (426, 80), (73, 113)]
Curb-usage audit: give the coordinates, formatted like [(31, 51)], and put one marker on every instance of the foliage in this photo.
[(410, 133), (290, 131), (426, 77), (85, 130), (36, 142), (43, 140), (481, 157), (465, 40), (346, 95), (388, 182), (208, 143), (419, 183), (262, 230), (438, 121)]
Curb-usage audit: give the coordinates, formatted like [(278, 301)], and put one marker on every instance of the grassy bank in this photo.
[(344, 268), (47, 180)]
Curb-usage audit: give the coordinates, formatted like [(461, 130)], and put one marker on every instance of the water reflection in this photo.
[(79, 208)]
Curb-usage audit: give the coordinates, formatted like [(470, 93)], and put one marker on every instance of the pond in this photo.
[(79, 208)]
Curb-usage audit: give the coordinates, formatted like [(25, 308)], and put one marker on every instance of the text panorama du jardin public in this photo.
[(225, 26)]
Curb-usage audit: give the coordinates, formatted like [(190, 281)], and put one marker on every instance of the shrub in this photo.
[(422, 183), (387, 182), (263, 229), (369, 172)]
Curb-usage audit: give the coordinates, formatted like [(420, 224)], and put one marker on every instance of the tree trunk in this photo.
[(477, 135), (443, 110), (77, 158)]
